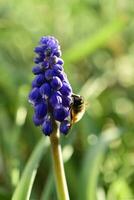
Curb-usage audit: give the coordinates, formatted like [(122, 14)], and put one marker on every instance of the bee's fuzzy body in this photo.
[(77, 108)]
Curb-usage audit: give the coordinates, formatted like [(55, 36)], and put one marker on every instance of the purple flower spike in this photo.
[(38, 81), (60, 61), (41, 110), (47, 127), (37, 121), (45, 64), (49, 74), (66, 89), (57, 53), (55, 100), (45, 90), (34, 96), (39, 59), (38, 49), (51, 93), (37, 70), (66, 101), (64, 127), (61, 113), (56, 83), (44, 40), (58, 67)]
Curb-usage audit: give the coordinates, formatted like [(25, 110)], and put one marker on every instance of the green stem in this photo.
[(58, 166)]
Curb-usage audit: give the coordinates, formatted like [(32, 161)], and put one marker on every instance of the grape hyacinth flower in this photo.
[(51, 91)]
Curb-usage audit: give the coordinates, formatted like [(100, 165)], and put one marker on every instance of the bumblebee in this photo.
[(77, 108)]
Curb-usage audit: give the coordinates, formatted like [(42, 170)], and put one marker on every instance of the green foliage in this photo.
[(24, 187), (119, 190), (89, 45), (97, 44)]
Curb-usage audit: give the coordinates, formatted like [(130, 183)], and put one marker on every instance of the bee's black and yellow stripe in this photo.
[(77, 108)]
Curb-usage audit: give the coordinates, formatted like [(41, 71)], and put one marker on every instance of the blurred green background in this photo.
[(97, 42)]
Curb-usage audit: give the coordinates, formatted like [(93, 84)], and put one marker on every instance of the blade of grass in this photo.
[(47, 191), (85, 47), (92, 161), (24, 187)]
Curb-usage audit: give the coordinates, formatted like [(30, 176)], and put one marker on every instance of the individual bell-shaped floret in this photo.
[(64, 127)]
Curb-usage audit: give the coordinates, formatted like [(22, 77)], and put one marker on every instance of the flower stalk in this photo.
[(58, 167)]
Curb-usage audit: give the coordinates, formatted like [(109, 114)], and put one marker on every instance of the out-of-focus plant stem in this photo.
[(58, 166)]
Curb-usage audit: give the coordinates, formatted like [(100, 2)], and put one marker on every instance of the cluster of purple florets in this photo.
[(51, 91)]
